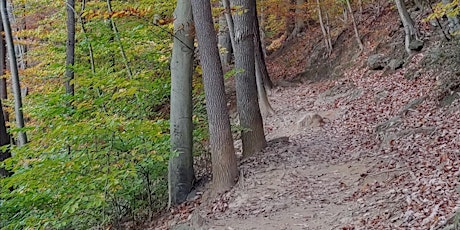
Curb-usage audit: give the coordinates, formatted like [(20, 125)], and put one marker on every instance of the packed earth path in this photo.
[(360, 152)]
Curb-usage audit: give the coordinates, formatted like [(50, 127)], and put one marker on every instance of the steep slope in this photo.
[(350, 147), (384, 156)]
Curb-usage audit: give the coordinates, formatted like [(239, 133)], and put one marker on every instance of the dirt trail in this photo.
[(304, 179), (384, 156)]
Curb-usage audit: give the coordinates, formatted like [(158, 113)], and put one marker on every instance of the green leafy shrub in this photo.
[(98, 158)]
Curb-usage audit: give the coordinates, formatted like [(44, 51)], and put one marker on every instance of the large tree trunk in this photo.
[(22, 138), (181, 174), (4, 140), (408, 23), (224, 168), (225, 43), (70, 47), (252, 136)]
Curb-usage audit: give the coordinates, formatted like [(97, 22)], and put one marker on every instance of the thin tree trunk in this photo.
[(230, 24), (4, 140), (21, 50), (262, 32), (22, 138), (70, 48), (264, 82), (260, 56), (328, 32), (3, 87), (323, 27), (265, 107), (90, 46), (408, 23), (224, 168), (252, 136), (355, 27), (181, 174), (299, 19), (117, 36), (225, 43)]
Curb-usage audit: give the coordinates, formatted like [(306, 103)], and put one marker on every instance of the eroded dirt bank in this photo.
[(385, 156)]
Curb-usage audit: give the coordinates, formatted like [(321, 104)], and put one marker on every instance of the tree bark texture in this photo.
[(263, 80), (264, 104), (22, 138), (4, 140), (252, 136), (225, 43), (180, 171), (224, 168), (3, 87), (70, 47), (328, 32), (230, 24), (261, 21), (260, 55)]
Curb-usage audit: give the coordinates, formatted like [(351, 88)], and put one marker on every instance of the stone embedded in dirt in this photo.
[(411, 105), (197, 221), (311, 120), (392, 122), (339, 90), (416, 45), (376, 62), (395, 64), (182, 227)]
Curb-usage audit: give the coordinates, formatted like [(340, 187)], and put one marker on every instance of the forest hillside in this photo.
[(232, 114), (359, 140)]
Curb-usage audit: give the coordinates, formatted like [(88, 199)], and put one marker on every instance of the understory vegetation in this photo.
[(98, 158)]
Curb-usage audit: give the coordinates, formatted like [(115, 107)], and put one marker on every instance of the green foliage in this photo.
[(233, 72), (440, 9), (99, 157)]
